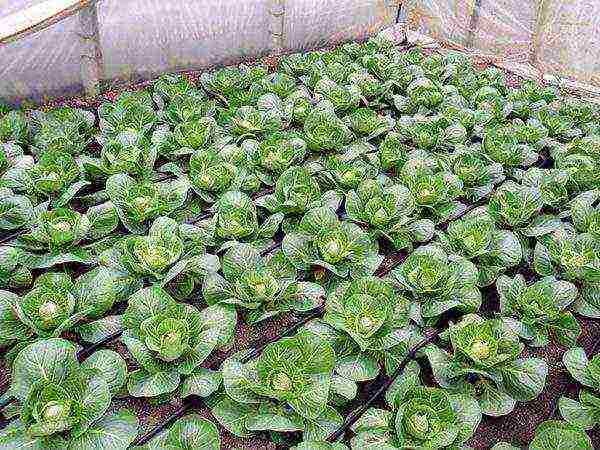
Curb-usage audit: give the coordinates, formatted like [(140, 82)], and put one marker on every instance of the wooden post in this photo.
[(473, 24), (541, 18), (277, 30), (92, 70)]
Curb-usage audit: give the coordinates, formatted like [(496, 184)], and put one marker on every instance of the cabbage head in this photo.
[(323, 240), (266, 285)]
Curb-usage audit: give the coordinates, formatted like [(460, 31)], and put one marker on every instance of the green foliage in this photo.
[(439, 282), (476, 237), (539, 309), (65, 403), (391, 210), (267, 286), (323, 240), (485, 363), (170, 340), (189, 432), (295, 189), (557, 434)]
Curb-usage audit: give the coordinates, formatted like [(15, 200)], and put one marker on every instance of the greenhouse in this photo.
[(291, 224)]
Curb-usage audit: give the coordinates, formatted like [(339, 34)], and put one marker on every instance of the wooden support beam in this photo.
[(277, 29), (92, 70), (473, 24)]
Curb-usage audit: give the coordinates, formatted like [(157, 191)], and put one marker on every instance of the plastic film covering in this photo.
[(558, 37), (141, 39), (42, 65), (315, 23)]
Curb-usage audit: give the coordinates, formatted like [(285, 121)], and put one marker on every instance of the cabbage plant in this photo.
[(422, 96), (65, 404), (56, 237), (170, 340), (552, 183), (171, 87), (280, 84), (580, 157), (128, 152), (434, 189), (161, 257), (12, 160), (55, 175), (393, 152), (139, 202), (366, 123), (189, 432), (297, 190), (64, 129), (236, 219), (476, 237), (285, 389), (391, 211), (323, 240), (347, 170), (478, 173), (216, 170), (324, 130), (264, 285), (372, 323), (539, 310), (343, 97), (193, 106), (371, 89), (16, 210), (519, 207), (196, 134), (585, 212), (485, 363), (431, 133), (14, 128), (419, 417), (439, 282), (131, 111), (559, 434), (233, 84), (55, 304), (501, 144), (584, 413), (275, 153), (560, 127), (14, 274), (248, 121), (574, 256)]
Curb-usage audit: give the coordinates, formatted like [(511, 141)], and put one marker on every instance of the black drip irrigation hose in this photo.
[(356, 414), (175, 415)]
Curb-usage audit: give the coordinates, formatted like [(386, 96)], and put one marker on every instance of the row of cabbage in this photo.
[(343, 156)]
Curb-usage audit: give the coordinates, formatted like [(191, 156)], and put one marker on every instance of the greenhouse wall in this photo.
[(140, 39), (559, 37)]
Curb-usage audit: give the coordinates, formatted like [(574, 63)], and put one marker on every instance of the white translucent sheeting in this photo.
[(560, 37), (141, 39), (8, 7), (313, 23), (43, 65)]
